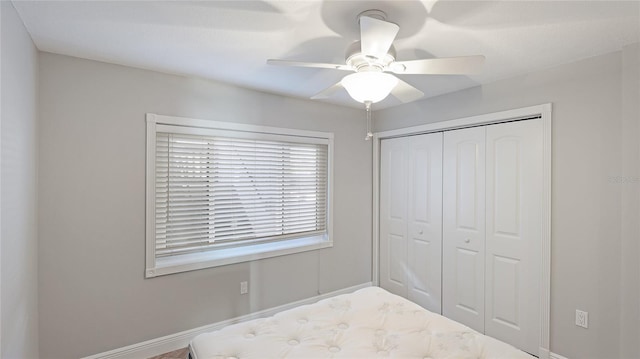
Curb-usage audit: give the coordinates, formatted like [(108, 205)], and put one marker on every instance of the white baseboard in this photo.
[(543, 353), (546, 354), (176, 341)]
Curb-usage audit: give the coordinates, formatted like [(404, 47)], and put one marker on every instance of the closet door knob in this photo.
[(467, 240), (420, 231)]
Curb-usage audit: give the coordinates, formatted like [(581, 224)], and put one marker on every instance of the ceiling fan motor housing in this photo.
[(361, 62)]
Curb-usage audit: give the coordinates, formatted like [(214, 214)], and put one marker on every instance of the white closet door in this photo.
[(411, 218), (464, 226), (425, 221), (514, 233), (393, 215)]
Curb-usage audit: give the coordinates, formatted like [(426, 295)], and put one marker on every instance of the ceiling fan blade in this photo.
[(328, 92), (309, 64), (441, 66), (405, 92), (376, 36)]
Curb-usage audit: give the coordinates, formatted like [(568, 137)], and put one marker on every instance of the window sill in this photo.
[(221, 257)]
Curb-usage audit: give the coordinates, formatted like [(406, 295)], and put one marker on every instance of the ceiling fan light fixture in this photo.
[(370, 86)]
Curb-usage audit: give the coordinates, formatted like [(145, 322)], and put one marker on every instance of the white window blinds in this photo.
[(215, 191)]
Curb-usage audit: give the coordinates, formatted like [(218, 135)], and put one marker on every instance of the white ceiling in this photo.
[(230, 41)]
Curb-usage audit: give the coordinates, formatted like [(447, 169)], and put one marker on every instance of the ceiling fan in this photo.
[(373, 60), (374, 53)]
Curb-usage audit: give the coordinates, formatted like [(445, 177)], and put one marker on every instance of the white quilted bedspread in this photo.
[(369, 323)]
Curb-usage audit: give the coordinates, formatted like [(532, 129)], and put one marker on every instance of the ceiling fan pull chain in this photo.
[(367, 107)]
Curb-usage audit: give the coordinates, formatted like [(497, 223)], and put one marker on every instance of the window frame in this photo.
[(236, 254)]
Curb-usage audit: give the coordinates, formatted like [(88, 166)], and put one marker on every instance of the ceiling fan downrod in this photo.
[(357, 59), (374, 13)]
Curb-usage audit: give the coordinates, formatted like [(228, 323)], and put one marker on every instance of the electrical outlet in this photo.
[(244, 287), (582, 318)]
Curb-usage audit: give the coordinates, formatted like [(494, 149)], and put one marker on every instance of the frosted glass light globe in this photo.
[(370, 86)]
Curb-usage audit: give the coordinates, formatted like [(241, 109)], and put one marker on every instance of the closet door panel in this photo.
[(393, 215), (514, 232), (464, 226), (425, 221)]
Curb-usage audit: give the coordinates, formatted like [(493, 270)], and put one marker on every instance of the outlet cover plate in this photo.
[(582, 318)]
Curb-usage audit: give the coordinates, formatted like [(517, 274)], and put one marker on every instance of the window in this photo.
[(221, 193)]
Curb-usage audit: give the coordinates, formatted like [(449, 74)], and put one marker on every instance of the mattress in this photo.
[(369, 323)]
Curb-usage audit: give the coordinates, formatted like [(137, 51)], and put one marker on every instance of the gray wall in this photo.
[(630, 263), (589, 234), (93, 296), (18, 248)]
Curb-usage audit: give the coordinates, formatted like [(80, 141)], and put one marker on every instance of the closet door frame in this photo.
[(543, 112)]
